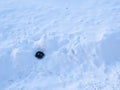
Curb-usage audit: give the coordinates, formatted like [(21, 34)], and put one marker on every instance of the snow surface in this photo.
[(80, 39)]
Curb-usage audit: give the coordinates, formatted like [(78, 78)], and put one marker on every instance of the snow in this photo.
[(80, 39)]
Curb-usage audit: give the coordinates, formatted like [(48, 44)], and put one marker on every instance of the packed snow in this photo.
[(80, 40)]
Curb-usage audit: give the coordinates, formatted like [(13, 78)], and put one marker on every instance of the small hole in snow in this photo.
[(39, 54)]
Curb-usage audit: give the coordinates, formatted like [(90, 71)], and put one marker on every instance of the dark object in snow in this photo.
[(39, 54)]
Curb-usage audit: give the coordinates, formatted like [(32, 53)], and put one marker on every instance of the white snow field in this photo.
[(80, 39)]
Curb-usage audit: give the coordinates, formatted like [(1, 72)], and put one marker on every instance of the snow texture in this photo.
[(80, 39)]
